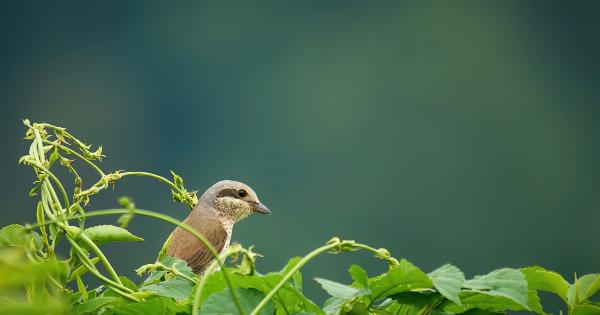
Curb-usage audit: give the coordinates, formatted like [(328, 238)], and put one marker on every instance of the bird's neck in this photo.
[(210, 212)]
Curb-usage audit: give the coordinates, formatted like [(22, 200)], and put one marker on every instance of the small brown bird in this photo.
[(218, 209)]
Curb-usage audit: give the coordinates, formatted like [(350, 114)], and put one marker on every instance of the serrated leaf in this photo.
[(545, 280), (101, 234), (154, 277), (448, 281), (128, 283), (150, 306), (93, 304), (507, 283), (176, 287), (220, 303), (179, 265), (17, 235), (341, 290), (401, 278)]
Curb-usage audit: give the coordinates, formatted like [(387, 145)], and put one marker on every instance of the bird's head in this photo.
[(233, 199)]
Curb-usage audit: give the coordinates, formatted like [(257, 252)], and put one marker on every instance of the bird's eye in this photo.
[(242, 193)]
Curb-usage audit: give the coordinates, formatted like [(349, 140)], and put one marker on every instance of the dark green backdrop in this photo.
[(462, 132)]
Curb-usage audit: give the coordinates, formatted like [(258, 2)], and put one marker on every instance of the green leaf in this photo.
[(593, 287), (448, 281), (179, 265), (93, 304), (403, 277), (176, 287), (17, 235), (154, 277), (150, 306), (333, 305), (81, 288), (101, 234), (221, 303), (359, 275), (507, 283), (128, 283), (586, 309), (340, 290), (583, 288), (541, 279)]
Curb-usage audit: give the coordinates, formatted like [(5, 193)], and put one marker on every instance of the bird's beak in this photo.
[(260, 208)]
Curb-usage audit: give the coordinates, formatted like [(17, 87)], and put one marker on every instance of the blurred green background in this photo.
[(461, 132)]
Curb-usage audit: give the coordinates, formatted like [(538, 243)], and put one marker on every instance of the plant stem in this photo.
[(157, 177), (56, 180), (168, 219), (75, 153)]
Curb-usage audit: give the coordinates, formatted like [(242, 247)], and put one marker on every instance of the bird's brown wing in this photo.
[(186, 246)]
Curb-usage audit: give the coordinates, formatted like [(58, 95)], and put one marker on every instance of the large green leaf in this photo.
[(507, 283), (583, 288), (93, 304), (448, 281), (411, 303), (150, 306), (545, 280), (586, 309), (221, 304), (101, 234), (176, 287), (401, 278), (341, 290), (17, 235)]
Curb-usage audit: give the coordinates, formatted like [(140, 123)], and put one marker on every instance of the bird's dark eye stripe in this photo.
[(235, 193), (228, 192)]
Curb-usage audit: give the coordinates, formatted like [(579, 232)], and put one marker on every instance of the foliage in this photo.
[(35, 280)]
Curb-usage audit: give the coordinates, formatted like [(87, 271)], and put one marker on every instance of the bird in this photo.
[(219, 208)]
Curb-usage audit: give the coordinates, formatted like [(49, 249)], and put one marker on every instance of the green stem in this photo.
[(75, 153), (56, 180), (157, 177)]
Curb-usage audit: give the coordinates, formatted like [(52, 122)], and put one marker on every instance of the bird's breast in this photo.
[(228, 226)]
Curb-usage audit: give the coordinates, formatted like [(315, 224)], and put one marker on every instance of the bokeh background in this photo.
[(461, 132)]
